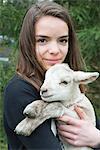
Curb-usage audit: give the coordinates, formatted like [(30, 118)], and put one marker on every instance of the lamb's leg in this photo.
[(34, 109), (57, 109), (51, 110), (28, 125), (24, 127)]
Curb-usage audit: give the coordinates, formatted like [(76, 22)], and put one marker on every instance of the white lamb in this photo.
[(60, 92)]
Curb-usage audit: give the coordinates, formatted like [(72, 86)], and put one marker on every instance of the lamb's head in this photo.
[(62, 83)]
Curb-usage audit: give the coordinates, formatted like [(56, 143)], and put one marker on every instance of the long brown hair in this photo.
[(28, 67)]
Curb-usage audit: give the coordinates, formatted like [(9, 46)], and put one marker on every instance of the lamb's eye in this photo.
[(64, 82)]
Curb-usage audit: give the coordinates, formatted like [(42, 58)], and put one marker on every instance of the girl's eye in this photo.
[(63, 41), (41, 41)]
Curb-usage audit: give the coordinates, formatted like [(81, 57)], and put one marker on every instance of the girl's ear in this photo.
[(85, 77)]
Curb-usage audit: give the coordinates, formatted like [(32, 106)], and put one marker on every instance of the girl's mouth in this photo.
[(52, 61)]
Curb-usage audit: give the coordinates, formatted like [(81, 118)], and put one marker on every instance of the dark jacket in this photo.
[(18, 94)]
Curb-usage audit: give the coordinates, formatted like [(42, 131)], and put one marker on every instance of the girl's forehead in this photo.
[(48, 25)]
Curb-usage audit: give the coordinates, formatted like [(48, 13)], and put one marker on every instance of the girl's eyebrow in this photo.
[(44, 36), (65, 36)]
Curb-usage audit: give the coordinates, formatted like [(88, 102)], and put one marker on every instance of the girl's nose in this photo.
[(53, 48)]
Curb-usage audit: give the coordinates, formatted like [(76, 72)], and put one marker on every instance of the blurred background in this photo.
[(86, 18)]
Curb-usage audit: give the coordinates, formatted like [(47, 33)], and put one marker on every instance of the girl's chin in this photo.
[(47, 66)]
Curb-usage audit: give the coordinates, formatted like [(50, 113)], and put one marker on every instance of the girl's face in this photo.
[(51, 35)]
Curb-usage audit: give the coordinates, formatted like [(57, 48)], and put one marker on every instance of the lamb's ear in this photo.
[(85, 77)]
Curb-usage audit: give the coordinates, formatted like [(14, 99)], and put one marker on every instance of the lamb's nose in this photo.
[(43, 91)]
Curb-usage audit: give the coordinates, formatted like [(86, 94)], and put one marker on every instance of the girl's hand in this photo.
[(79, 132)]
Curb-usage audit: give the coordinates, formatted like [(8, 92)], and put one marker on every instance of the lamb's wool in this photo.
[(60, 92)]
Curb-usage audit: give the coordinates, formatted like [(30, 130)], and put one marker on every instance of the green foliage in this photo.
[(7, 70), (3, 143), (10, 21), (90, 46), (11, 16), (86, 18)]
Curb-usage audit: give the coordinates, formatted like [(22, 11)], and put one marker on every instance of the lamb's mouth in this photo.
[(46, 96)]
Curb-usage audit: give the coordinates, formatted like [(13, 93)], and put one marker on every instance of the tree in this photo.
[(11, 15), (86, 16)]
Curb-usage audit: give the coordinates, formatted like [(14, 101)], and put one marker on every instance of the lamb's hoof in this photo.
[(21, 131)]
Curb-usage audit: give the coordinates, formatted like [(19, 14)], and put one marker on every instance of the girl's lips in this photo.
[(52, 61)]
